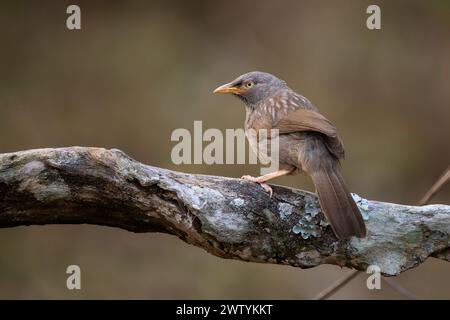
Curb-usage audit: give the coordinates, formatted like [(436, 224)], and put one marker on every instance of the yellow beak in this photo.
[(229, 88)]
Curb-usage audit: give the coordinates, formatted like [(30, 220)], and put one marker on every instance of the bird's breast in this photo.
[(258, 118), (258, 125)]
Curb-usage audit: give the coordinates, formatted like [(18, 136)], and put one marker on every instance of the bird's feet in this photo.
[(261, 182)]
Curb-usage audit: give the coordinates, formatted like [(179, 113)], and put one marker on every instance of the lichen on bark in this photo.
[(227, 217)]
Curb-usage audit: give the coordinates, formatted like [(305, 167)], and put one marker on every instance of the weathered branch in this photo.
[(229, 218)]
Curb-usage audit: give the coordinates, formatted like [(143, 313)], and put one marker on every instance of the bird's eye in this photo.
[(249, 84)]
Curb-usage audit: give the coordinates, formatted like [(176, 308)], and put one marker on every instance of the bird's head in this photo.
[(253, 87)]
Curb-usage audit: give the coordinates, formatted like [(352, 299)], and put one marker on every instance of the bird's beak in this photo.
[(229, 88)]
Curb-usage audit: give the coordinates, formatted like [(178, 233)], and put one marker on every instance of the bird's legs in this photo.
[(263, 179)]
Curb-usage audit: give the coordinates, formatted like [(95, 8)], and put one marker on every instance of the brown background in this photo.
[(138, 70)]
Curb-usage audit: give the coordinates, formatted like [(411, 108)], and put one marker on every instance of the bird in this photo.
[(308, 143)]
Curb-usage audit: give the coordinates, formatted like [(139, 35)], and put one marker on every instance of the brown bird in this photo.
[(308, 142)]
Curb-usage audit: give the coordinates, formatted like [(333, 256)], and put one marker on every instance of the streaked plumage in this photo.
[(308, 142)]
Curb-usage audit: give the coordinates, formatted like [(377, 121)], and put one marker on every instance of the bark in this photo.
[(227, 217)]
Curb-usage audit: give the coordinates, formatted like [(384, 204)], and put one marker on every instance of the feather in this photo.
[(338, 204), (304, 120)]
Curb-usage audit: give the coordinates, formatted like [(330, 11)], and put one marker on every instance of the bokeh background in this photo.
[(138, 70)]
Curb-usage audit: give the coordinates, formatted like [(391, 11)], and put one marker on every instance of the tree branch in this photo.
[(229, 218)]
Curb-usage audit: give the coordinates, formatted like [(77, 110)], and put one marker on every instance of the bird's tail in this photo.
[(337, 204)]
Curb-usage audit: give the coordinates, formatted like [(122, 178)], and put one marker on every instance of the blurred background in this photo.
[(140, 69)]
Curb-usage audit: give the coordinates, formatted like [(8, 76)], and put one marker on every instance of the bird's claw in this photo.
[(266, 188), (250, 178), (263, 184)]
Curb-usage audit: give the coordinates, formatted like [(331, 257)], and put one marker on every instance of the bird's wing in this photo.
[(309, 120), (306, 120)]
